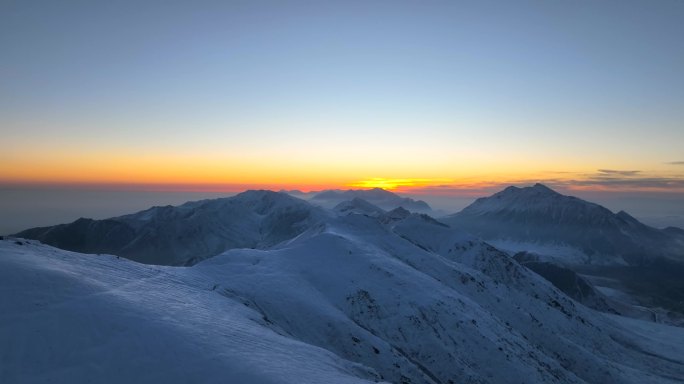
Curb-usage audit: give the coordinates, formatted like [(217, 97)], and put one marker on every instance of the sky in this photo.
[(446, 98)]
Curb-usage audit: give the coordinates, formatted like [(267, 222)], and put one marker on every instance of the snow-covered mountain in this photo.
[(377, 196), (582, 232), (357, 297), (188, 233), (299, 294), (635, 268)]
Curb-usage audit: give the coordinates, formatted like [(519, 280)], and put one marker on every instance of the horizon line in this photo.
[(472, 189)]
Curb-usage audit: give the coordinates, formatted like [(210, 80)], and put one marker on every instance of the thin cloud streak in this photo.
[(616, 172), (603, 180)]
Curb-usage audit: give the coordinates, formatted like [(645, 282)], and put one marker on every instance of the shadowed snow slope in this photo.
[(541, 216), (190, 232), (403, 300)]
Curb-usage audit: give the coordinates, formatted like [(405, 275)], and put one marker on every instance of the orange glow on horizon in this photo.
[(393, 184), (435, 187), (67, 167)]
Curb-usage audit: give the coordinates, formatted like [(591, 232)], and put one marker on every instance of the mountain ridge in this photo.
[(190, 232)]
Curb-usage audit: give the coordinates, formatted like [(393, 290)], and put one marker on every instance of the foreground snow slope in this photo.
[(74, 318), (396, 297)]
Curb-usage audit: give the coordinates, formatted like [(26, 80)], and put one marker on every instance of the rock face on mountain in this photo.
[(354, 298), (188, 233), (539, 215), (376, 196)]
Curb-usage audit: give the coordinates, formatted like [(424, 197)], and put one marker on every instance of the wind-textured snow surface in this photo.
[(360, 296), (74, 318)]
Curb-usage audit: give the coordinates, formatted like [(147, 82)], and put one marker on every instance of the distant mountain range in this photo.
[(586, 250), (186, 234), (376, 196), (356, 294)]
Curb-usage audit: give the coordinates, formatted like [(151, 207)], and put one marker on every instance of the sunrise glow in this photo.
[(311, 103)]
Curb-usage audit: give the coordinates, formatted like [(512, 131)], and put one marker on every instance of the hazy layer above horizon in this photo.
[(23, 208)]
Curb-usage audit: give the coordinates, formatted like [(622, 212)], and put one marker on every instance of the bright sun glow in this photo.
[(391, 184)]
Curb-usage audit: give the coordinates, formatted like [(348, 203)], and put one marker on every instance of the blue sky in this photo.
[(435, 90)]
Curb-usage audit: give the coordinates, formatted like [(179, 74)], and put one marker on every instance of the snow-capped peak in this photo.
[(537, 197)]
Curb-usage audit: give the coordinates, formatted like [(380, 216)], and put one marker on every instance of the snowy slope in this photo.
[(190, 232), (73, 318), (417, 316)]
